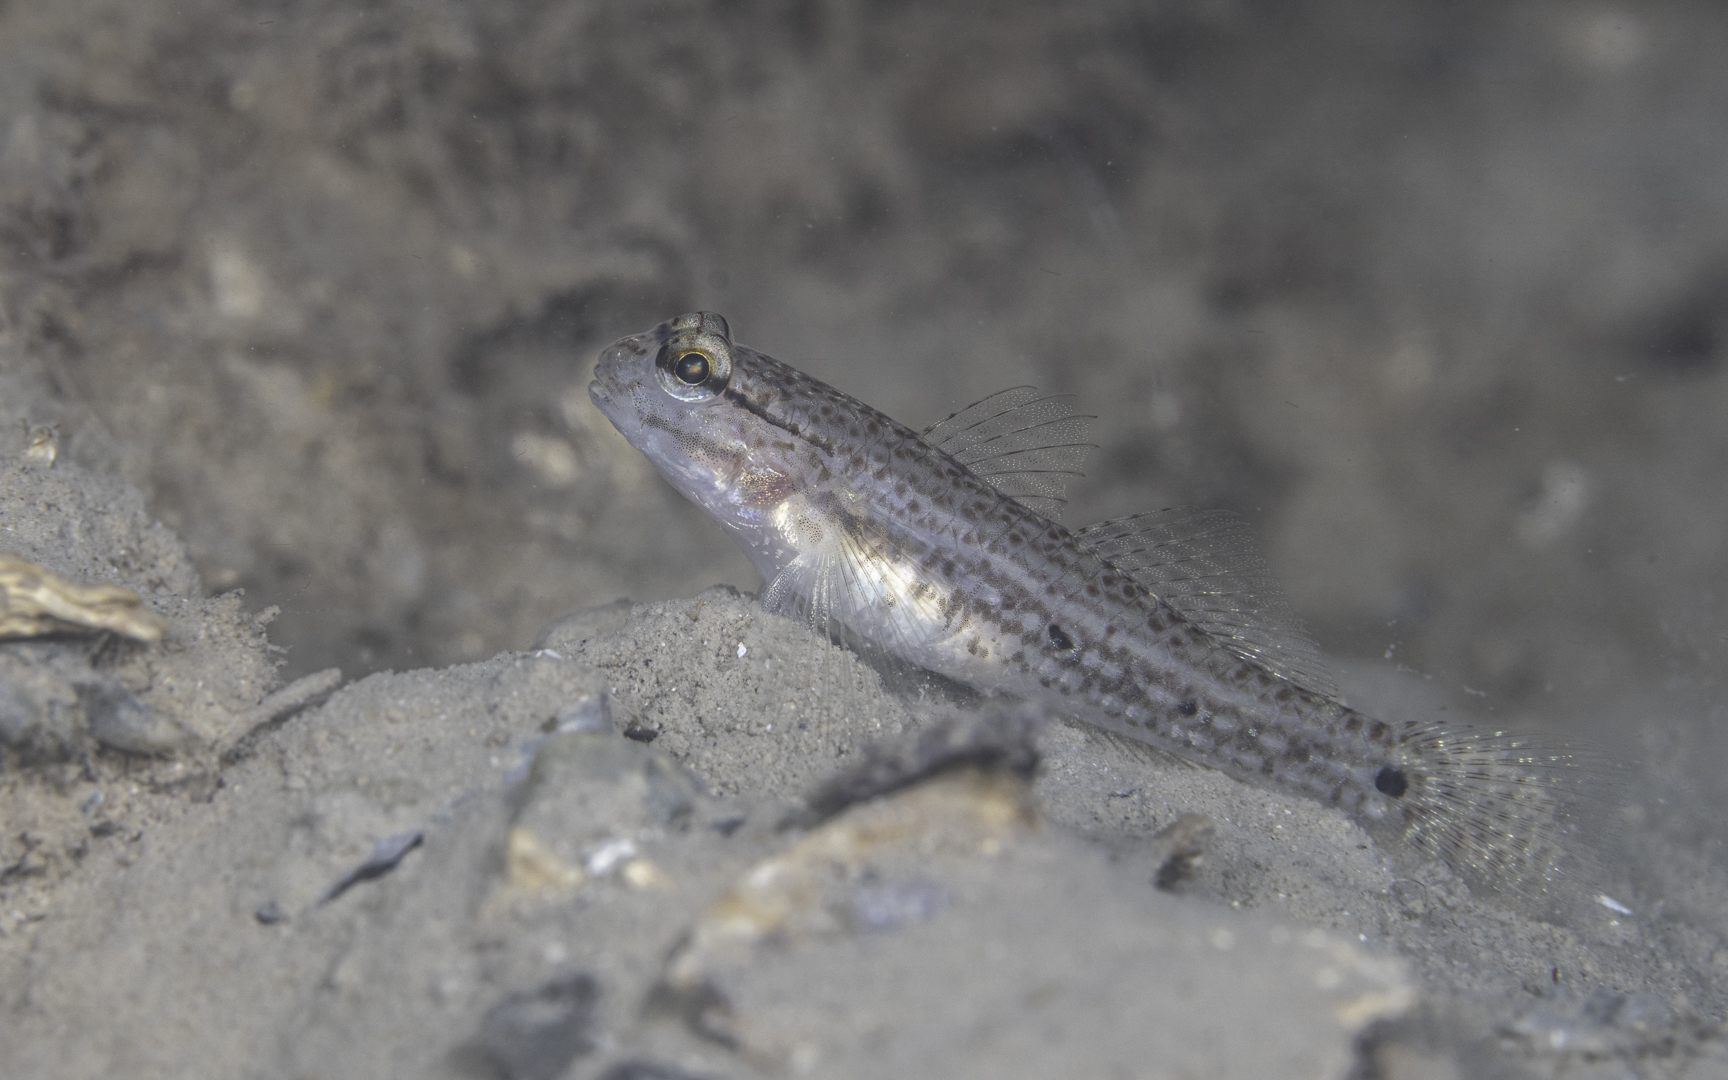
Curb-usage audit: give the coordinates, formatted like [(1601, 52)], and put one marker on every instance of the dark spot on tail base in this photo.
[(1390, 781)]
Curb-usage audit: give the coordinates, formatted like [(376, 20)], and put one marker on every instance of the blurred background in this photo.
[(1434, 293)]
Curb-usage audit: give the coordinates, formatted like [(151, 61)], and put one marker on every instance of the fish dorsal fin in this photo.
[(1205, 564), (1025, 444)]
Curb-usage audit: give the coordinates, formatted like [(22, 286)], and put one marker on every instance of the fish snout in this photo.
[(619, 368), (615, 360)]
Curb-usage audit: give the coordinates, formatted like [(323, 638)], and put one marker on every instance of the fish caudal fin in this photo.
[(1506, 812)]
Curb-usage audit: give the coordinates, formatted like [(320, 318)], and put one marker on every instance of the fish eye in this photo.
[(694, 366), (691, 368)]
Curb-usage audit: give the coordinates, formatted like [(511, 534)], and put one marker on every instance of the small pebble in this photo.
[(120, 721), (536, 1034), (386, 853), (17, 716), (593, 712)]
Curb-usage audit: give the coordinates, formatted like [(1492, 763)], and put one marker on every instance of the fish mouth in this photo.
[(618, 383), (603, 400)]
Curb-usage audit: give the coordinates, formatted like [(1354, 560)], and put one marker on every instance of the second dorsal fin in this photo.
[(1205, 564), (1025, 444)]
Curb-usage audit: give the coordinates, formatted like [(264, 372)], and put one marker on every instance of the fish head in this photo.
[(712, 417)]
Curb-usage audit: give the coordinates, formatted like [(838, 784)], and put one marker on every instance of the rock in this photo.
[(1057, 961), (535, 1034), (591, 803), (18, 716), (1001, 738), (119, 721), (593, 712), (41, 718), (811, 889)]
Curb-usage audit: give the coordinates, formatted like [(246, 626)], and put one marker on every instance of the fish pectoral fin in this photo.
[(852, 588), (1205, 564), (1025, 444)]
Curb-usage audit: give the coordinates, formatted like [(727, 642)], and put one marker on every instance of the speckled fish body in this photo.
[(865, 525)]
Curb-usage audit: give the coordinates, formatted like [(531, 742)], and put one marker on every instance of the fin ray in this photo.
[(1027, 445), (856, 598), (1506, 812)]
